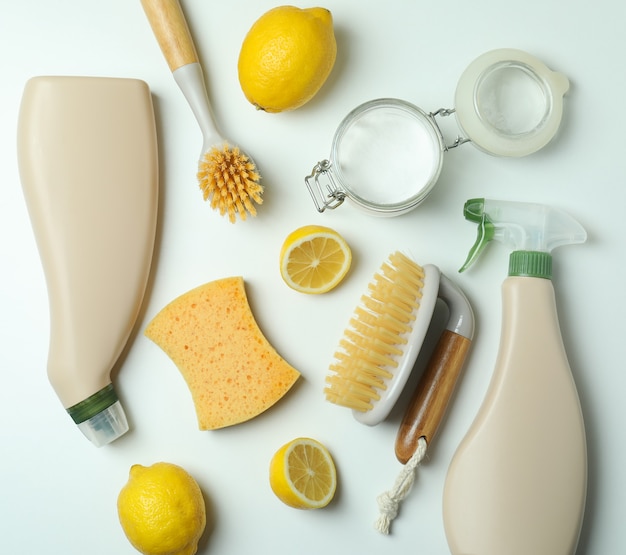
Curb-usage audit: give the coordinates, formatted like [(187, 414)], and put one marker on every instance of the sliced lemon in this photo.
[(314, 259), (303, 474)]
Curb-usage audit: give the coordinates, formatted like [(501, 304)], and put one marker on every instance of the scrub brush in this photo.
[(378, 352), (226, 175)]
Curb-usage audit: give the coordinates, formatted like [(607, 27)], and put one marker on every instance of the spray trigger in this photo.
[(530, 230), (486, 232)]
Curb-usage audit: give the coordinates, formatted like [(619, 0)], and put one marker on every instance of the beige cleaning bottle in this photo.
[(517, 483), (87, 154)]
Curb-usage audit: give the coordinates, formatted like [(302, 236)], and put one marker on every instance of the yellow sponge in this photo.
[(231, 369)]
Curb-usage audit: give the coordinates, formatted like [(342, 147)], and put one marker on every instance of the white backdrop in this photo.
[(59, 492)]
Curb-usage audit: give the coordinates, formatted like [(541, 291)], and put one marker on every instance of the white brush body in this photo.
[(410, 351), (461, 315), (190, 79)]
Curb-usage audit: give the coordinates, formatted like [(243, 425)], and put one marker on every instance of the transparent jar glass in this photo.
[(387, 154), (386, 158)]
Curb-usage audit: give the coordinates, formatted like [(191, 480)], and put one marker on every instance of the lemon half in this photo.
[(314, 259), (286, 57), (303, 474), (161, 510)]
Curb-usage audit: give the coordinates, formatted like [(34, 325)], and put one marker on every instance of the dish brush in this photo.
[(227, 176), (379, 350)]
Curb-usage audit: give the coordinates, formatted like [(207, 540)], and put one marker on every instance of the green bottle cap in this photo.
[(530, 264)]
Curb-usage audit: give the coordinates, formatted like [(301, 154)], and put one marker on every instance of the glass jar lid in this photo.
[(509, 103)]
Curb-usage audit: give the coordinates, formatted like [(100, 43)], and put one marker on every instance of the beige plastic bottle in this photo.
[(87, 154), (517, 483)]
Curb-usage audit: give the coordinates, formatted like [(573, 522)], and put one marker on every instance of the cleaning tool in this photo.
[(517, 482), (232, 371), (226, 175), (87, 154), (379, 350)]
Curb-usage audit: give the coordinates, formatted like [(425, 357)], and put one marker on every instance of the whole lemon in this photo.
[(286, 57), (161, 510)]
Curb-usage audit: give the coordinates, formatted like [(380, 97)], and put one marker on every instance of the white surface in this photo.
[(59, 492)]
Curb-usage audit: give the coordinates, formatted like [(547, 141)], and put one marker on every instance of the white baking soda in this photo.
[(388, 156)]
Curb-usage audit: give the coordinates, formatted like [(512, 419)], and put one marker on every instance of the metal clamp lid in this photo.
[(328, 196)]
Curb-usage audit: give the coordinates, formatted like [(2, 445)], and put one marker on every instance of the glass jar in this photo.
[(387, 154)]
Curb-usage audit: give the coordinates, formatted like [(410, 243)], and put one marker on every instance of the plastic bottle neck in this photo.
[(530, 264)]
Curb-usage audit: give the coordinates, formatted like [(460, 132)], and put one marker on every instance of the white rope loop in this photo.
[(389, 501)]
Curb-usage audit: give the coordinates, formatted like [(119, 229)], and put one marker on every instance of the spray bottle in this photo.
[(517, 483)]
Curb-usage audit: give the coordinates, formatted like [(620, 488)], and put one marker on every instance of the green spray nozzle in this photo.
[(531, 230)]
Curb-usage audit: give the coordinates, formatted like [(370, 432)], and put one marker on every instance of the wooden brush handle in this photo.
[(433, 392), (171, 31)]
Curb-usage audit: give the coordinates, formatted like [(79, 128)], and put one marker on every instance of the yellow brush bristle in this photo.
[(376, 335), (230, 180)]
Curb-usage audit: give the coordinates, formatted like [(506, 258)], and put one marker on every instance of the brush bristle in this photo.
[(375, 338), (230, 180)]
